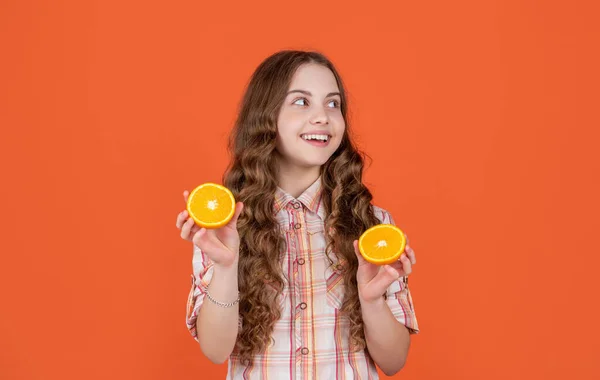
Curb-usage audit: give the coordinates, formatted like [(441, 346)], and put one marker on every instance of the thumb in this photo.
[(359, 256), (239, 206)]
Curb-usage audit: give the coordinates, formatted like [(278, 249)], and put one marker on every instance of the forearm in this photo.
[(217, 326), (387, 339)]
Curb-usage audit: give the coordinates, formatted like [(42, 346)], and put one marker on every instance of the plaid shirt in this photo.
[(310, 341)]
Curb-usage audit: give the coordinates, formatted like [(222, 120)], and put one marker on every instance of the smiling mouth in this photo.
[(316, 138)]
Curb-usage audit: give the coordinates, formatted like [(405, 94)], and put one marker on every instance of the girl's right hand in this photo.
[(221, 245)]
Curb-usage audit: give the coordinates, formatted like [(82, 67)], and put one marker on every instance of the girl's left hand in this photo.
[(373, 280)]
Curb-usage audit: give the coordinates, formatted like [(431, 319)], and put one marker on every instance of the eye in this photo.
[(301, 99), (336, 103)]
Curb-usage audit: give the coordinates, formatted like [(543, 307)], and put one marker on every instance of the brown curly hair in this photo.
[(252, 177)]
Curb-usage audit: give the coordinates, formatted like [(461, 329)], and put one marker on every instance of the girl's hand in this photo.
[(374, 280), (185, 223), (221, 245)]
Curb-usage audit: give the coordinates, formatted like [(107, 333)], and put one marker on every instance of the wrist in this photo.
[(371, 303), (227, 269)]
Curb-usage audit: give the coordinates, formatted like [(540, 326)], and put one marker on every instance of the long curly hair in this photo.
[(252, 178)]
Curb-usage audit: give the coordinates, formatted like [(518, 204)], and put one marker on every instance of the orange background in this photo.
[(481, 118)]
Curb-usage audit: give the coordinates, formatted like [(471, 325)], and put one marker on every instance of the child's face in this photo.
[(308, 116)]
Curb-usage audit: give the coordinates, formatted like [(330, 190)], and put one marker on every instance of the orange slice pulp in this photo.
[(382, 244), (211, 205)]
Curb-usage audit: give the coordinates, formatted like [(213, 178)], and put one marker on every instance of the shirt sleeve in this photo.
[(398, 296), (202, 274)]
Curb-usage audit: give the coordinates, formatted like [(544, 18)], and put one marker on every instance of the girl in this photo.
[(282, 290)]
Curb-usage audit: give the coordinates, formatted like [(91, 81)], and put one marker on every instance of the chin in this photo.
[(310, 165), (307, 161)]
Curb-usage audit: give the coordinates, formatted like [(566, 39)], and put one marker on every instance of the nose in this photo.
[(319, 117)]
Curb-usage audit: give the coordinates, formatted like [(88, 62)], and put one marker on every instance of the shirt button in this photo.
[(304, 351), (296, 205), (303, 306), (297, 226), (300, 261)]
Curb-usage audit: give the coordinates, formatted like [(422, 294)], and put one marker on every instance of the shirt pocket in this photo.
[(334, 278)]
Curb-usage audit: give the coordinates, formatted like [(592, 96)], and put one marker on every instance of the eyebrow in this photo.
[(309, 94)]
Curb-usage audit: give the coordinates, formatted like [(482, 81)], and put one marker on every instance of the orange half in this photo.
[(211, 205), (382, 244)]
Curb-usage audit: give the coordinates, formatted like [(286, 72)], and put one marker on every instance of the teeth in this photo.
[(316, 137)]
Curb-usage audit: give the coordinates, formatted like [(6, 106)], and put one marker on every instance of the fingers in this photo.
[(411, 254), (181, 218), (406, 265), (186, 229), (384, 278), (409, 251), (207, 241), (403, 266), (200, 239), (184, 223)]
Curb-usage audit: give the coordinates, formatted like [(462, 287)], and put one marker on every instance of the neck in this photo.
[(294, 180)]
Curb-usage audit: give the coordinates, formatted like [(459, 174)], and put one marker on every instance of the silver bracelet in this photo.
[(229, 304)]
